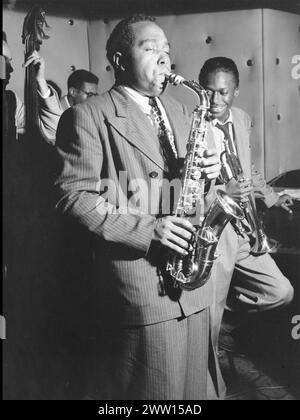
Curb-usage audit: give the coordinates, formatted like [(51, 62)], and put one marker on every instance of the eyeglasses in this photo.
[(88, 94)]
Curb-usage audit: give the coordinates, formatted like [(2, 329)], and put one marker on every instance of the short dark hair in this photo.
[(122, 36), (4, 37), (78, 77), (218, 64)]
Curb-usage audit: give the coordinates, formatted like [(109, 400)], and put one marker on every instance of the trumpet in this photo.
[(229, 157)]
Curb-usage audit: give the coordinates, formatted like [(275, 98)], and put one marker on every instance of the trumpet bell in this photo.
[(263, 244)]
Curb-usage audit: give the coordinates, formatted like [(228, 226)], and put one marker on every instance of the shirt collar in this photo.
[(141, 100), (67, 101), (215, 121)]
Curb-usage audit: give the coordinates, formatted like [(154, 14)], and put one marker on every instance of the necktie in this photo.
[(229, 146), (165, 136), (225, 128)]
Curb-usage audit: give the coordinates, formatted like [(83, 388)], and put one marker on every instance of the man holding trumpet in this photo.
[(249, 279)]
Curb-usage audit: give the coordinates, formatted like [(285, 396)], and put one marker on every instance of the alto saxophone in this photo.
[(193, 270), (231, 167)]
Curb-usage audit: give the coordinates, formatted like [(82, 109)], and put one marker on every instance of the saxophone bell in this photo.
[(193, 270), (262, 244)]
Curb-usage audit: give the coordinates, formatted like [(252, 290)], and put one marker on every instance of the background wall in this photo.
[(264, 43), (281, 95), (67, 46), (194, 38)]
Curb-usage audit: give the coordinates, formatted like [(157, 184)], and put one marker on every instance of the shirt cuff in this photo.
[(271, 199)]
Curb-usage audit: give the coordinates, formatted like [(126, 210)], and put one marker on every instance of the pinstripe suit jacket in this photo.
[(95, 141)]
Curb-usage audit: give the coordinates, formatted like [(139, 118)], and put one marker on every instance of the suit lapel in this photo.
[(242, 143), (134, 126), (211, 144), (179, 125)]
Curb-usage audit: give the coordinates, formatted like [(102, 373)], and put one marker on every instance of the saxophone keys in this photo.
[(196, 174), (189, 211), (216, 254)]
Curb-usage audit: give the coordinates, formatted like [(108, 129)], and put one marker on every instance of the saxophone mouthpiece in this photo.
[(174, 79)]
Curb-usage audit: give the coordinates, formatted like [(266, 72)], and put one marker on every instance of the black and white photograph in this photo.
[(150, 202)]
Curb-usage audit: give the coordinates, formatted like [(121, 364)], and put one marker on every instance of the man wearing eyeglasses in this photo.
[(82, 84)]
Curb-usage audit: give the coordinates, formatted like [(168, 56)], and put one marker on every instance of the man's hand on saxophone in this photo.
[(174, 232), (239, 190), (210, 164)]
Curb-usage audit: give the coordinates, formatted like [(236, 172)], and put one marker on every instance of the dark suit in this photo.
[(95, 141)]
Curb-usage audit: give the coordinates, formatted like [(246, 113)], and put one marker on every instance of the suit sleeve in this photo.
[(80, 159), (20, 116), (50, 111)]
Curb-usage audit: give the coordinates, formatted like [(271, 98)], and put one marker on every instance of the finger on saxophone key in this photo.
[(210, 163)]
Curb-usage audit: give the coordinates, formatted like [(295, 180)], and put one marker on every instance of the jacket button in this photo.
[(153, 174)]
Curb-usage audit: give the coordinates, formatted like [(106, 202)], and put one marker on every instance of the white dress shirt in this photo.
[(219, 135), (219, 138), (143, 102)]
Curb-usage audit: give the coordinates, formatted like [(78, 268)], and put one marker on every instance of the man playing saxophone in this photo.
[(257, 283), (148, 343)]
